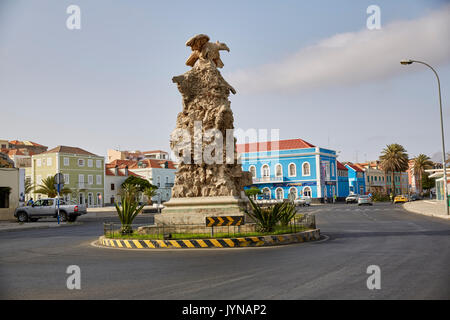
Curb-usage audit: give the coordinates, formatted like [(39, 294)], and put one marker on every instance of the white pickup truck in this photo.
[(48, 208)]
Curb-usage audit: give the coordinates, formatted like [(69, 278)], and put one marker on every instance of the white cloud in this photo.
[(354, 57)]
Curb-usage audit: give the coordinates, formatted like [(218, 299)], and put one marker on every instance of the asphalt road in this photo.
[(411, 250)]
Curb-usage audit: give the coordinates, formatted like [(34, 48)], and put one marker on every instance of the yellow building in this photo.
[(9, 192)]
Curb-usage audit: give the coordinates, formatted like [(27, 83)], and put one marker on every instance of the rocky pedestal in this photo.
[(209, 180)]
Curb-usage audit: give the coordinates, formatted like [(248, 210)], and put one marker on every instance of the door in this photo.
[(48, 207)]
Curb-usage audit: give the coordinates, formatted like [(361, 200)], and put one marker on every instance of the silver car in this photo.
[(364, 199)]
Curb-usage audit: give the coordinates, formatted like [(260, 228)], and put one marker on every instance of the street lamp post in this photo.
[(407, 62)]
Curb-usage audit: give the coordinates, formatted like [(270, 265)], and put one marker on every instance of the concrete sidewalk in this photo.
[(431, 208)]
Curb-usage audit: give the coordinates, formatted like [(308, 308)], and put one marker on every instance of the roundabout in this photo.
[(239, 242)]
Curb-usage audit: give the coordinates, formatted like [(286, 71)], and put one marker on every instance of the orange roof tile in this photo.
[(273, 145)]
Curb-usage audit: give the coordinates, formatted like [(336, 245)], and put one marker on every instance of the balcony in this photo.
[(268, 180)]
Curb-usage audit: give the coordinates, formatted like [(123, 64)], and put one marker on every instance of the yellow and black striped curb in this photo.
[(305, 236)]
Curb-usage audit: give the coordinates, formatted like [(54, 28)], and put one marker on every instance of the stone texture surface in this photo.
[(205, 99)]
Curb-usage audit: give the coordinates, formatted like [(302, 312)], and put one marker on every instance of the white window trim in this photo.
[(270, 193), (66, 163), (90, 179), (250, 170), (262, 170), (66, 178), (90, 163), (307, 188), (81, 165), (296, 191), (49, 162), (276, 193), (98, 163), (98, 179), (303, 169), (276, 173), (289, 170), (38, 162)]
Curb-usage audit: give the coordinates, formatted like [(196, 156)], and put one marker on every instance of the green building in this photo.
[(83, 173)]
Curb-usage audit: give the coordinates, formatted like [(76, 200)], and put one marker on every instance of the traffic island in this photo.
[(238, 242)]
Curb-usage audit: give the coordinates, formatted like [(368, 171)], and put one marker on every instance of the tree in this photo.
[(253, 192), (394, 158), (141, 184), (421, 162), (427, 182), (47, 187), (28, 187), (150, 192)]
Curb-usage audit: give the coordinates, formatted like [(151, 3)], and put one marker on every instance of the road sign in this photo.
[(224, 221), (59, 178)]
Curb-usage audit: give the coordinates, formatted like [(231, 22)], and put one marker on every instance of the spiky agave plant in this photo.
[(288, 213), (128, 210), (266, 218)]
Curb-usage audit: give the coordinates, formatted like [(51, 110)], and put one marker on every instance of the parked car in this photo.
[(303, 201), (49, 208), (415, 197), (364, 199), (352, 198), (400, 198)]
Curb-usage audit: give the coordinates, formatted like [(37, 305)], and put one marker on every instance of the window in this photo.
[(38, 162), (253, 171), (4, 197), (99, 179), (266, 193), (112, 189), (98, 163), (90, 163), (306, 169), (278, 170), (158, 183), (66, 179), (90, 179), (265, 171), (293, 193), (81, 162), (307, 191), (332, 169), (327, 170), (292, 170), (279, 193), (66, 161), (49, 162)]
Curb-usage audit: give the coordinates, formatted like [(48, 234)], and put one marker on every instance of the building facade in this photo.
[(291, 169), (356, 179), (83, 173), (9, 192)]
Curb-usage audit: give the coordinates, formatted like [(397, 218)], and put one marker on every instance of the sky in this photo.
[(311, 69)]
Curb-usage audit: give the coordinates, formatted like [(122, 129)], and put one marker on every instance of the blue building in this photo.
[(291, 167), (343, 185), (356, 179)]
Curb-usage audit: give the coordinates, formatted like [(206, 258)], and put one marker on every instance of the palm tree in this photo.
[(150, 192), (421, 162), (47, 187), (394, 158)]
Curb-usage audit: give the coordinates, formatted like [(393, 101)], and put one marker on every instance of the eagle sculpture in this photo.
[(205, 50)]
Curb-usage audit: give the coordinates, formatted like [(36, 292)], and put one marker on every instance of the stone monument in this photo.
[(209, 180)]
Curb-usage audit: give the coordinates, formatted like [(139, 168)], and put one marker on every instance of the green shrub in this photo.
[(267, 218), (379, 197), (289, 212), (129, 210)]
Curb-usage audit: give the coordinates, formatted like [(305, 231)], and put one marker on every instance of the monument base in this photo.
[(195, 210)]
